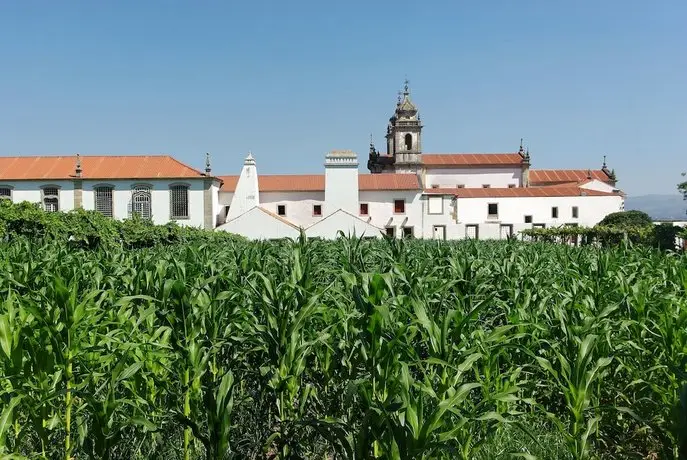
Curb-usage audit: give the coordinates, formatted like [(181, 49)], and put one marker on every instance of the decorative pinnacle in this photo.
[(521, 146), (405, 87), (78, 165), (398, 98), (208, 169), (604, 165)]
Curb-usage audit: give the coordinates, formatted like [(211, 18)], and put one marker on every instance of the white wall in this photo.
[(340, 220), (473, 177), (299, 205), (381, 210), (31, 191), (159, 199), (591, 210), (258, 225), (596, 184)]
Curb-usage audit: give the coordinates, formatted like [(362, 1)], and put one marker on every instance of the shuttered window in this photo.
[(141, 205), (178, 201), (103, 200), (51, 199)]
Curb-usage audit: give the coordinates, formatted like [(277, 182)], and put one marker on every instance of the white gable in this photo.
[(595, 184), (341, 220), (259, 224)]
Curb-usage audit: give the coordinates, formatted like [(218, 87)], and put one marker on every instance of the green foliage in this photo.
[(626, 220), (661, 236), (341, 349), (90, 229)]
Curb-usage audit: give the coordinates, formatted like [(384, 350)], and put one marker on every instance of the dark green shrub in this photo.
[(626, 219)]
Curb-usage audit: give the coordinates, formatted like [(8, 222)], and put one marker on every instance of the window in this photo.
[(103, 200), (460, 185), (364, 209), (435, 185), (178, 201), (407, 232), (472, 231), (399, 206), (511, 185), (5, 192), (528, 219), (409, 141), (317, 210), (435, 205), (391, 232), (575, 212), (51, 199), (538, 225), (281, 209), (554, 212), (141, 202), (506, 231), (493, 210), (486, 185)]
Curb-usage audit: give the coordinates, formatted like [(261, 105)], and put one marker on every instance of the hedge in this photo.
[(90, 229)]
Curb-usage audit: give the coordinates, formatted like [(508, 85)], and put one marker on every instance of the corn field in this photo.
[(340, 350)]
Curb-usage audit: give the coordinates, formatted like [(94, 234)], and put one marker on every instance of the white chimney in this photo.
[(341, 182), (246, 195)]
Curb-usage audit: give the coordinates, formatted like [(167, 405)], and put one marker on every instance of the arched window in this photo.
[(51, 199), (141, 202), (409, 141), (178, 201)]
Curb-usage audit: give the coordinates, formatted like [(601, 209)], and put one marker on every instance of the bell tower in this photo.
[(404, 135)]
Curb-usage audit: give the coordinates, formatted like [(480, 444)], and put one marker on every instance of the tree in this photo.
[(626, 219)]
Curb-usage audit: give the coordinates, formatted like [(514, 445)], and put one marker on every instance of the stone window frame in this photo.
[(171, 188), (104, 185), (58, 188), (404, 206), (138, 188), (441, 200), (11, 190)]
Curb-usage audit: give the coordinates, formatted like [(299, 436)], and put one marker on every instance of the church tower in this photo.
[(404, 135)]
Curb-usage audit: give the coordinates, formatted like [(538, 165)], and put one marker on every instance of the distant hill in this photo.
[(663, 207)]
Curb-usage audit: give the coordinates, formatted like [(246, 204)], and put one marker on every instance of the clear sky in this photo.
[(291, 80)]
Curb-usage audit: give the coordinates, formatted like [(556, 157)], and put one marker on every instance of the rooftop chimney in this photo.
[(341, 181)]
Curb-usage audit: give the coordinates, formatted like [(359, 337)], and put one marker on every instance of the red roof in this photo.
[(518, 192), (95, 167), (315, 182), (561, 176), (471, 159)]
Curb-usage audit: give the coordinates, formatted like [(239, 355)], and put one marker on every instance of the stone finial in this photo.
[(589, 173), (604, 164), (249, 159), (208, 168), (522, 149), (78, 170), (406, 91)]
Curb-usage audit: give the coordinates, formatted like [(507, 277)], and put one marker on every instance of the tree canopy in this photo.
[(626, 219)]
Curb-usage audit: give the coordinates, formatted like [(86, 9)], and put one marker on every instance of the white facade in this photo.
[(32, 191), (473, 177)]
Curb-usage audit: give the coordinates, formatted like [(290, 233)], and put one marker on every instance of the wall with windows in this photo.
[(473, 177), (382, 213), (513, 211), (32, 191), (298, 206), (122, 202)]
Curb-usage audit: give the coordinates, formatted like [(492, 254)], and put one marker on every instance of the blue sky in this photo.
[(293, 80)]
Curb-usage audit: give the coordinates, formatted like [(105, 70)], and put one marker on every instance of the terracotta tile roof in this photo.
[(518, 192), (561, 176), (95, 167), (315, 182), (471, 159)]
